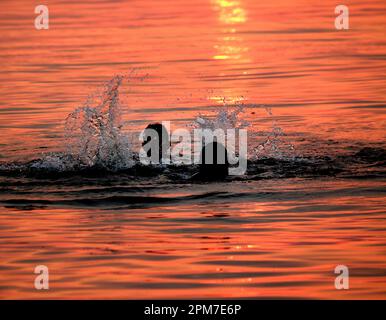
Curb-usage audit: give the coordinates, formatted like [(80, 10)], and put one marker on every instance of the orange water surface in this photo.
[(272, 238)]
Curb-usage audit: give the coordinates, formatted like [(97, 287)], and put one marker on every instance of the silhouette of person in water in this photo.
[(162, 138), (214, 157), (214, 161)]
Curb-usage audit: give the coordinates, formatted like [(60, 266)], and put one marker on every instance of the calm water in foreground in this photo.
[(277, 232)]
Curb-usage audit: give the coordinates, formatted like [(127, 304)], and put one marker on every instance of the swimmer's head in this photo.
[(214, 161)]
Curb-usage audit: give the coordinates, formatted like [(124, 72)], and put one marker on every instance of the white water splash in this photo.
[(95, 138), (94, 134), (226, 117), (274, 145), (234, 117)]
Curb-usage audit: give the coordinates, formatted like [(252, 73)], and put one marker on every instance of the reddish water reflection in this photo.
[(327, 90)]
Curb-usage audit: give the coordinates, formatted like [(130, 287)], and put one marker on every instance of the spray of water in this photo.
[(269, 144), (227, 117), (94, 134), (274, 145)]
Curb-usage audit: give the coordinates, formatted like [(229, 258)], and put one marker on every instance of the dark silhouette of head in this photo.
[(162, 139), (214, 161)]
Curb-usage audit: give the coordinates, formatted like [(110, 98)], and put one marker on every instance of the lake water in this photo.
[(313, 196)]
